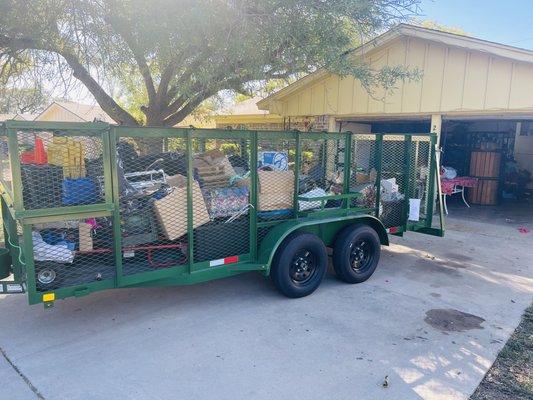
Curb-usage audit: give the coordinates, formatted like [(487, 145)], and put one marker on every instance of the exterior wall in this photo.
[(59, 114), (455, 81)]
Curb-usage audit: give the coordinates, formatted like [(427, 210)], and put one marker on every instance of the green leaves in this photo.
[(168, 56)]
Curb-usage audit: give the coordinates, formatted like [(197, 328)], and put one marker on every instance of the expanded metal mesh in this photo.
[(364, 170), (276, 175), (5, 165), (321, 172), (222, 168), (393, 179), (73, 252), (60, 168), (419, 172), (152, 186)]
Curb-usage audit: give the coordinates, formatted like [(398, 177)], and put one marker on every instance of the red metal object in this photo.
[(149, 249)]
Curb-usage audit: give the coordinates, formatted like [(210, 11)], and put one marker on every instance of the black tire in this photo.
[(356, 253), (299, 265), (48, 275)]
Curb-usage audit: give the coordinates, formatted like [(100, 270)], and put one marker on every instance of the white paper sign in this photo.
[(414, 209)]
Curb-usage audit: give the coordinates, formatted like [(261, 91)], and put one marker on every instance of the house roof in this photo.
[(18, 117), (407, 30), (85, 112), (246, 107)]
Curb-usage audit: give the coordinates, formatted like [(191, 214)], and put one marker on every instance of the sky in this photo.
[(503, 21)]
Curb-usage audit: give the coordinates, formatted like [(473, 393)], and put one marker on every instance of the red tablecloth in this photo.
[(447, 185)]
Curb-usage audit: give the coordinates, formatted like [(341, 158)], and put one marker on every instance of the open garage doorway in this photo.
[(496, 152)]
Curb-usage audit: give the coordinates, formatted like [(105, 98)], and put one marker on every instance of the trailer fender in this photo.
[(325, 228)]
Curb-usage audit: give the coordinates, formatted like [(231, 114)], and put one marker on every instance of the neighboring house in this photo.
[(473, 93), (18, 117), (246, 115), (67, 111), (75, 112)]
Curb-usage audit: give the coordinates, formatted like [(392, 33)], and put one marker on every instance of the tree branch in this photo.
[(110, 106)]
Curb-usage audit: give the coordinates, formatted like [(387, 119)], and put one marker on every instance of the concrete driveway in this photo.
[(239, 339)]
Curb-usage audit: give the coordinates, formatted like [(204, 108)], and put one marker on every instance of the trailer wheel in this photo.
[(356, 253), (299, 265), (47, 276)]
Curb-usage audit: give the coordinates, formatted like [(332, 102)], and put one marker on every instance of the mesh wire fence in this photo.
[(73, 252), (152, 186), (364, 170), (60, 168), (221, 198), (393, 179), (276, 178), (419, 172), (5, 165), (321, 171)]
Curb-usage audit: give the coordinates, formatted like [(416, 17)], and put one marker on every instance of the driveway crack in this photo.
[(24, 377)]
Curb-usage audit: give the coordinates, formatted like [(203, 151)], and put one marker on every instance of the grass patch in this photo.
[(511, 375)]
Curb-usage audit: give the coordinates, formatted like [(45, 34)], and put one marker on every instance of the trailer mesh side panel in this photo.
[(419, 171), (5, 165), (364, 170), (152, 180), (60, 168), (222, 167), (276, 178), (73, 252), (321, 171), (393, 196)]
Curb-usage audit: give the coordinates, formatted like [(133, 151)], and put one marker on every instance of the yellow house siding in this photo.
[(522, 86), (346, 88), (476, 80), (396, 56), (60, 114), (432, 81), (332, 95), (455, 80), (498, 84), (416, 58), (375, 102)]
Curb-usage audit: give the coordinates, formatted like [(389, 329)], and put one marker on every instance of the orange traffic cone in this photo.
[(40, 153)]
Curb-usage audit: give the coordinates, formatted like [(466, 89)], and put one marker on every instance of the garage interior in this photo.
[(497, 151)]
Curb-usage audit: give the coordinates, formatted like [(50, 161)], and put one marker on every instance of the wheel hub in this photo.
[(303, 267), (360, 256), (46, 276)]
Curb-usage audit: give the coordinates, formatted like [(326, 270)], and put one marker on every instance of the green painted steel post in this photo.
[(16, 176), (378, 154), (253, 196), (190, 204), (407, 177), (431, 185), (297, 160), (347, 167), (112, 162), (27, 250)]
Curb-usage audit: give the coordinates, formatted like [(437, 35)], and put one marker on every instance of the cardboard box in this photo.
[(171, 211), (276, 182), (275, 201), (276, 190), (86, 239)]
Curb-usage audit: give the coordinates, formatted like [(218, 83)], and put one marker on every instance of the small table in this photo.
[(456, 185)]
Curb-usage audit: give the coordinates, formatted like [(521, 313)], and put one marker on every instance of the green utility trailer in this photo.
[(91, 206)]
